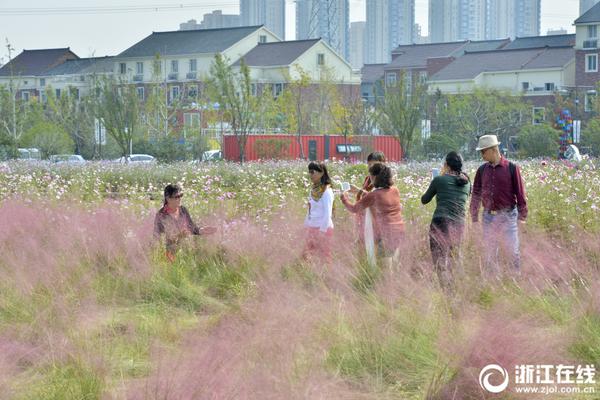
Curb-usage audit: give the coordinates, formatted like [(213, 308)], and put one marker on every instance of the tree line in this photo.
[(170, 127)]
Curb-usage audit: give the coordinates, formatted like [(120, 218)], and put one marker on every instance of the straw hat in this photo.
[(487, 141)]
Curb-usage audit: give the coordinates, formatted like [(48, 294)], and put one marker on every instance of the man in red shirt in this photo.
[(498, 186)]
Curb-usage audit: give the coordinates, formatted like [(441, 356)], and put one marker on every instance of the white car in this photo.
[(67, 159), (137, 158), (212, 155)]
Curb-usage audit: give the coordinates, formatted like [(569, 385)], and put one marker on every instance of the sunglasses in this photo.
[(177, 196)]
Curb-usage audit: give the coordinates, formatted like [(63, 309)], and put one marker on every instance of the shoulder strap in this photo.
[(512, 168)]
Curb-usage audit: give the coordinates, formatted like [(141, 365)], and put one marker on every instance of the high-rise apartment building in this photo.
[(326, 19), (390, 23), (357, 44), (270, 13), (512, 18)]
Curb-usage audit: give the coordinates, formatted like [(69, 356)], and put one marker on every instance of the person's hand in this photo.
[(354, 189), (208, 230)]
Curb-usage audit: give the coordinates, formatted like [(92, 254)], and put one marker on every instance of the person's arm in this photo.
[(519, 190), (431, 191), (476, 195), (190, 223), (365, 202), (158, 226), (327, 200)]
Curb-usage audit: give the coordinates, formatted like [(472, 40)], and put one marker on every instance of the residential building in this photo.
[(585, 5), (536, 73), (75, 76), (587, 73), (270, 13), (421, 61), (326, 19), (213, 20), (389, 23), (27, 71), (357, 44), (451, 20), (527, 18), (371, 84), (552, 32)]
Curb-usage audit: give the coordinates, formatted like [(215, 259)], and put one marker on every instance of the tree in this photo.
[(590, 137), (538, 141), (401, 111), (118, 107), (233, 91), (75, 115), (481, 112), (294, 106), (49, 138)]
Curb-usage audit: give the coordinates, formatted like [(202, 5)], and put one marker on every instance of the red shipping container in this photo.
[(316, 147)]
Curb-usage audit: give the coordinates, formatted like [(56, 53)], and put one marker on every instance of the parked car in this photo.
[(31, 154), (137, 158), (67, 159), (212, 155)]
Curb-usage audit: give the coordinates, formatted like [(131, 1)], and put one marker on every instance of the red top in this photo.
[(386, 209), (496, 189)]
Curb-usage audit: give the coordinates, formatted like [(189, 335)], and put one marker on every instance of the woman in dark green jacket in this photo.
[(451, 189)]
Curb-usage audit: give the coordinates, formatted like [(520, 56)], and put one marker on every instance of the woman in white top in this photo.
[(320, 209)]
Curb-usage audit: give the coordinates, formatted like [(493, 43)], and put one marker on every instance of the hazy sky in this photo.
[(98, 32)]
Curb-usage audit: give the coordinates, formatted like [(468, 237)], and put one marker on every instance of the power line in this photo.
[(16, 11)]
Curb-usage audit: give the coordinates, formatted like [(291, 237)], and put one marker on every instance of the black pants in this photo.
[(444, 240)]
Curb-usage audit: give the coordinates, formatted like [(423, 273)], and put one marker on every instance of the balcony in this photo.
[(173, 76), (191, 75), (590, 44), (138, 78)]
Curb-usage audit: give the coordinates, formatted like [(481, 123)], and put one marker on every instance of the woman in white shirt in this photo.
[(320, 208)]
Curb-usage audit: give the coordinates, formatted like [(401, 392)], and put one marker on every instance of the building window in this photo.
[(591, 63), (193, 65), (140, 93), (525, 85), (320, 59), (139, 68), (549, 86), (277, 89), (156, 67), (25, 96), (191, 120), (193, 91), (74, 92), (391, 78), (57, 92), (590, 99), (174, 92), (538, 115), (423, 76), (262, 39), (174, 66), (253, 90), (592, 31), (42, 82), (122, 68)]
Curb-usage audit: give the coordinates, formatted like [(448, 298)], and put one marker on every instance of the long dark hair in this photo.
[(383, 176), (320, 167), (455, 163), (170, 191), (376, 156)]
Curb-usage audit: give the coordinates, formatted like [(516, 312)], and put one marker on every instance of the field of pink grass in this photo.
[(91, 309)]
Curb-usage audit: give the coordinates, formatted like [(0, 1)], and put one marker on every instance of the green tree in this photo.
[(402, 110), (233, 91), (482, 112), (75, 115), (538, 141), (117, 106), (294, 106), (590, 137), (50, 138)]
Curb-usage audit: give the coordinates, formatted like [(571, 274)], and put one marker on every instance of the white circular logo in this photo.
[(484, 378)]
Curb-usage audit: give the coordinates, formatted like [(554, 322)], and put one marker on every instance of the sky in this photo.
[(38, 24)]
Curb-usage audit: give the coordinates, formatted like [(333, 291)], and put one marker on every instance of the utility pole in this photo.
[(13, 94)]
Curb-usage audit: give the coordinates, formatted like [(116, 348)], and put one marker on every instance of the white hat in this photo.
[(487, 141)]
